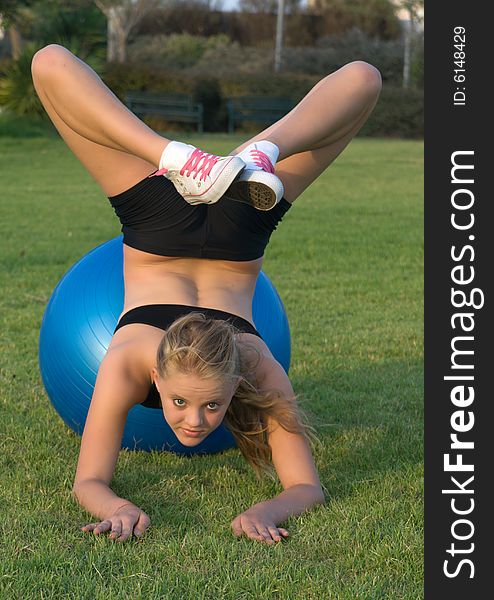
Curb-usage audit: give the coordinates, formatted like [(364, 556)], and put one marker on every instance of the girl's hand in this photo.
[(126, 520), (257, 524)]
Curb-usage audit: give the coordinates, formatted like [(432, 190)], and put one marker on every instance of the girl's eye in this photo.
[(179, 401)]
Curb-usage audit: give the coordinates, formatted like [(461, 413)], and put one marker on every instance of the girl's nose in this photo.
[(194, 421)]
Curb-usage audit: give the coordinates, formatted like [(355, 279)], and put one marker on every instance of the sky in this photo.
[(233, 4)]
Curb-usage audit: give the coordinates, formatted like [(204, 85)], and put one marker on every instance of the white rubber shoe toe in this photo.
[(201, 178)]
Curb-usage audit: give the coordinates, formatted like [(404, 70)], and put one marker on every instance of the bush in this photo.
[(354, 44), (211, 91), (289, 85), (253, 29), (79, 26), (17, 93), (81, 29), (322, 61), (207, 91), (176, 51), (398, 113), (417, 66), (330, 54), (233, 59), (194, 55), (143, 77)]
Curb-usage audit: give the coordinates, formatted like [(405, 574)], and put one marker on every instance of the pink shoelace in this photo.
[(193, 167), (262, 160)]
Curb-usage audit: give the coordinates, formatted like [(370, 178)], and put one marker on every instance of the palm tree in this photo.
[(10, 13)]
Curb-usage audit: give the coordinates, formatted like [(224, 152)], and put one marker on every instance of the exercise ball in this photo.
[(77, 328)]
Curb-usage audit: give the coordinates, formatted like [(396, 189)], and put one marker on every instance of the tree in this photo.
[(10, 13), (122, 17), (375, 17), (413, 9), (16, 16), (268, 6)]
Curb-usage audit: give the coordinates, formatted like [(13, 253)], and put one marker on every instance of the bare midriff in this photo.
[(220, 284)]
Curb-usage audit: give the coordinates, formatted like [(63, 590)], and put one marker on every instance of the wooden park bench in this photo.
[(257, 109), (171, 107)]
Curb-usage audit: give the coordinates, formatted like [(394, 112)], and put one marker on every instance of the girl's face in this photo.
[(193, 406)]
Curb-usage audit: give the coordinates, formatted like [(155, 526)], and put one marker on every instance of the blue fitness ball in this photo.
[(77, 328)]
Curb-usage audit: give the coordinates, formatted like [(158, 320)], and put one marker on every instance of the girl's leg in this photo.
[(318, 129), (116, 147)]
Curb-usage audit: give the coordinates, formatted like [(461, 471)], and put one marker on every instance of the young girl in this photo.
[(195, 230)]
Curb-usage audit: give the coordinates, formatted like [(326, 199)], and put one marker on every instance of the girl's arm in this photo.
[(115, 392), (291, 453), (294, 464)]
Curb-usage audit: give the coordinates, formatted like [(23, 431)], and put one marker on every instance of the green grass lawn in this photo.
[(348, 263)]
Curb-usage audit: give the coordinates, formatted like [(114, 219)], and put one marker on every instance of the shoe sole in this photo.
[(230, 171), (259, 195)]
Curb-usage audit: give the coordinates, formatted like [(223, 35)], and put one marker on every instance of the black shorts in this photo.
[(155, 218)]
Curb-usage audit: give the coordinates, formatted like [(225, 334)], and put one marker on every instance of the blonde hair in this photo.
[(209, 349)]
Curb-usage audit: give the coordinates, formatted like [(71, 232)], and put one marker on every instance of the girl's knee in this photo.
[(48, 57), (360, 79), (365, 76)]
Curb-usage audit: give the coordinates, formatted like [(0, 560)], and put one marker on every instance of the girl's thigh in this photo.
[(298, 171), (114, 170), (324, 122)]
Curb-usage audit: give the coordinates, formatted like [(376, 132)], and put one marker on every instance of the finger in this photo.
[(283, 531), (102, 527), (274, 534), (89, 527), (250, 529), (252, 532), (142, 524), (265, 534), (124, 535), (116, 529), (236, 527)]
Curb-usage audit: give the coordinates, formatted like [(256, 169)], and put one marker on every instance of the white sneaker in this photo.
[(257, 184), (199, 177)]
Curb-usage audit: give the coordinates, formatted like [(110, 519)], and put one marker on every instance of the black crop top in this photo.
[(163, 315)]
